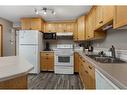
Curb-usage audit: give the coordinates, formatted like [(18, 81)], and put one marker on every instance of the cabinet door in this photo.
[(36, 24), (43, 63), (107, 13), (50, 64), (75, 37), (25, 24), (89, 26), (91, 71), (70, 27), (50, 27), (99, 16), (120, 16), (76, 62), (81, 28)]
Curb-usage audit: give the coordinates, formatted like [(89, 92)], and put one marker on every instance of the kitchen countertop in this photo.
[(48, 51), (13, 66), (115, 72)]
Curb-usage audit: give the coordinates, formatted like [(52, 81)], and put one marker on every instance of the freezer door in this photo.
[(30, 53), (28, 37)]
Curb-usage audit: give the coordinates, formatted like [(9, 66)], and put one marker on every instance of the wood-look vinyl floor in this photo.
[(50, 80)]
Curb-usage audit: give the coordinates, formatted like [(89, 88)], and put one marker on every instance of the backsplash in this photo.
[(122, 54)]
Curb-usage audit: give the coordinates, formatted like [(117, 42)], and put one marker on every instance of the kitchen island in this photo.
[(13, 72)]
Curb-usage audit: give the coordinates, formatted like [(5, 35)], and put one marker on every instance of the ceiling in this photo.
[(14, 13)]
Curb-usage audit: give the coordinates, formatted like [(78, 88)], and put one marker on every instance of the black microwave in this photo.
[(49, 36)]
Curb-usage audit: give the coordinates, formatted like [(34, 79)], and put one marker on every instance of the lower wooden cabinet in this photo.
[(87, 74), (47, 61), (76, 62)]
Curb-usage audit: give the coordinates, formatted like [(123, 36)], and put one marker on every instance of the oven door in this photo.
[(64, 60)]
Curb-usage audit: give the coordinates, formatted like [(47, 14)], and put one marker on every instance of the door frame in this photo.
[(1, 39)]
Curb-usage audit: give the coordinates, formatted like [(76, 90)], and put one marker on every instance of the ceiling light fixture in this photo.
[(45, 11)]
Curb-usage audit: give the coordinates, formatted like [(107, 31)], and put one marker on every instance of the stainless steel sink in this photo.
[(106, 59)]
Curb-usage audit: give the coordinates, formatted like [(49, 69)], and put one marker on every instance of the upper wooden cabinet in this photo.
[(32, 24), (60, 27), (90, 26), (108, 14), (81, 28), (99, 16), (104, 14), (120, 16)]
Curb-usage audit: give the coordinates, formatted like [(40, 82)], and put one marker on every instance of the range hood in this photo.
[(64, 35)]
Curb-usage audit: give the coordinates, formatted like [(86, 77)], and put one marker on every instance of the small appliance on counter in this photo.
[(47, 47)]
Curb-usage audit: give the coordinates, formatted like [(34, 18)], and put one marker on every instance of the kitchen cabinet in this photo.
[(15, 83), (90, 26), (75, 33), (47, 61), (103, 83), (87, 73), (81, 28), (60, 27), (50, 27), (32, 24), (76, 62), (120, 16), (104, 16), (108, 14), (99, 16)]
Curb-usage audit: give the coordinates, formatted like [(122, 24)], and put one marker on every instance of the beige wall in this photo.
[(118, 38), (8, 47)]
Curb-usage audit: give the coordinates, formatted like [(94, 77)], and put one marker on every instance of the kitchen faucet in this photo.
[(112, 49)]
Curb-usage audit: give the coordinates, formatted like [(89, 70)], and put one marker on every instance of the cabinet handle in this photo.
[(90, 67), (86, 72), (101, 22), (83, 60), (47, 54)]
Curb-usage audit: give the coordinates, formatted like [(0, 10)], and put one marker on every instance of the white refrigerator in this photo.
[(30, 43)]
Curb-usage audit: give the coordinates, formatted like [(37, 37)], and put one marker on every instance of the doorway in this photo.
[(1, 40)]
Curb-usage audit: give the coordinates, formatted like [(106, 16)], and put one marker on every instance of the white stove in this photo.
[(64, 61)]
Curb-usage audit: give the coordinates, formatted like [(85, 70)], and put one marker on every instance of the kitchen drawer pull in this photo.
[(83, 60), (86, 72), (47, 54), (90, 67), (101, 22)]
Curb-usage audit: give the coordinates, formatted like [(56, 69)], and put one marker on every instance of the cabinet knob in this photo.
[(83, 60), (90, 67), (101, 22), (86, 72)]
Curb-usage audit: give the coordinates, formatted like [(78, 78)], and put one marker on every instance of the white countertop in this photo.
[(13, 66)]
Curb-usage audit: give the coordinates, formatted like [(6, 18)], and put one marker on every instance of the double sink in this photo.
[(105, 59)]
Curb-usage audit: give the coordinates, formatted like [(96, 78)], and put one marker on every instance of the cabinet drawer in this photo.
[(47, 54), (91, 70)]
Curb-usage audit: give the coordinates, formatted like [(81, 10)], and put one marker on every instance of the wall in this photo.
[(53, 44), (8, 36), (118, 38)]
